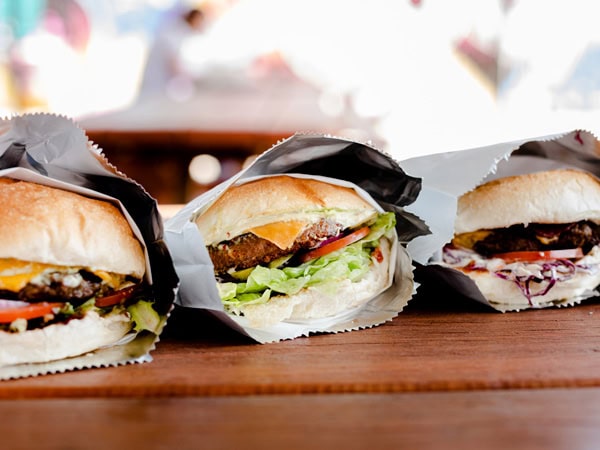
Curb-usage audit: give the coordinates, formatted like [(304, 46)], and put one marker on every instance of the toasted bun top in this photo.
[(555, 196), (53, 226), (277, 199)]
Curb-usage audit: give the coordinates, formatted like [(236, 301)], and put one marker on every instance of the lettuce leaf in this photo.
[(145, 317), (351, 262)]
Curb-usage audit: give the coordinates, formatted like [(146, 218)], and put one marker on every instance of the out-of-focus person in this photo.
[(164, 69)]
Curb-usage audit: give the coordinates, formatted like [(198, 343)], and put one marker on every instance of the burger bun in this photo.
[(555, 196), (253, 204), (53, 226), (504, 295), (63, 340)]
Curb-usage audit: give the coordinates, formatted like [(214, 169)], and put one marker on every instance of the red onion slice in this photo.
[(8, 304)]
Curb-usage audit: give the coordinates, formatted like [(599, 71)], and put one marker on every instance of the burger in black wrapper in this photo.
[(80, 243), (531, 239), (309, 238), (516, 224)]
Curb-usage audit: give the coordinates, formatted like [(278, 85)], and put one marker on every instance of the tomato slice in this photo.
[(541, 255), (335, 245), (377, 254), (115, 297), (29, 311)]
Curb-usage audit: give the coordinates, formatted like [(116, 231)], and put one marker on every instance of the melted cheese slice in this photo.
[(468, 240), (15, 274), (282, 234)]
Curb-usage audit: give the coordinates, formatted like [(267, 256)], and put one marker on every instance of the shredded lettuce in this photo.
[(351, 262), (144, 317)]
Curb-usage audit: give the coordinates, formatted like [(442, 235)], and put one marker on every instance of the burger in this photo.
[(71, 274), (287, 248), (530, 240)]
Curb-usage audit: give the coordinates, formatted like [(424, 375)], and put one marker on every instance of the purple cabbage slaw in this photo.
[(543, 273)]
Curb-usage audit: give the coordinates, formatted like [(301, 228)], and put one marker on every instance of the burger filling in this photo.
[(251, 270), (31, 281), (77, 287), (249, 250), (534, 257), (34, 295), (584, 235)]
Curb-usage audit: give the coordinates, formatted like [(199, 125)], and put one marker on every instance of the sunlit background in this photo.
[(181, 103)]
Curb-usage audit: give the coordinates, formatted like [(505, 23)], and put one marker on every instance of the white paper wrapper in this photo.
[(446, 176), (374, 175), (54, 151)]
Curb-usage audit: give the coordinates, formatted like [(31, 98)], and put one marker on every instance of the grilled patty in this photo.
[(534, 237), (249, 250), (61, 287)]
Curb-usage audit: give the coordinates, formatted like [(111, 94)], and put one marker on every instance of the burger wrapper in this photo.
[(446, 176), (373, 174), (52, 150)]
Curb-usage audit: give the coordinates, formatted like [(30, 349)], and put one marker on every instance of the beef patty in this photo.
[(249, 250), (535, 237), (60, 286)]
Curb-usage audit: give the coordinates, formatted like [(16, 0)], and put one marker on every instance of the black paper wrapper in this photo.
[(51, 148)]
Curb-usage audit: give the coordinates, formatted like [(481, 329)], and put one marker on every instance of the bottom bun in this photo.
[(313, 303), (61, 341), (505, 295)]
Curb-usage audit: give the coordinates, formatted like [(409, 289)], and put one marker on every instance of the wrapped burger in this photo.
[(526, 234), (79, 246), (297, 242), (530, 240)]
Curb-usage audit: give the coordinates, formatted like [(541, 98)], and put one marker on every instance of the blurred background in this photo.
[(180, 94)]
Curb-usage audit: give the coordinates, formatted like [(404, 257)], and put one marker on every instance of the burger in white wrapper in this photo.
[(79, 244), (309, 238), (526, 233)]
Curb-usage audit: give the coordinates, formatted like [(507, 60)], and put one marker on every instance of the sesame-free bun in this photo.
[(277, 199), (556, 196), (63, 340), (54, 226), (506, 296)]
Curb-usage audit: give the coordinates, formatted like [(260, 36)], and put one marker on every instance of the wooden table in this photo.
[(444, 374)]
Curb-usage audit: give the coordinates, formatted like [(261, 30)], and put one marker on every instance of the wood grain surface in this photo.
[(514, 419), (431, 346), (444, 374)]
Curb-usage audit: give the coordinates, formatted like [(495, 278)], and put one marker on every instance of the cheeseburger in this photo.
[(71, 274), (290, 248), (530, 240)]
